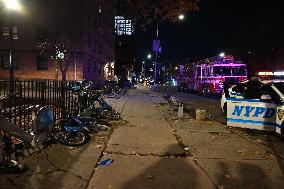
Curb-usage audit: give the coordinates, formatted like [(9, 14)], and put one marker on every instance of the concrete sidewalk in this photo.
[(146, 153), (155, 150)]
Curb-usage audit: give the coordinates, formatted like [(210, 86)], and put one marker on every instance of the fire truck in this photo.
[(209, 76)]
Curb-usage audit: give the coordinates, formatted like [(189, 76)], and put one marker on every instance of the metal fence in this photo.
[(55, 94)]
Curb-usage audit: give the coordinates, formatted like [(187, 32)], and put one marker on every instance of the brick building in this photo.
[(87, 27)]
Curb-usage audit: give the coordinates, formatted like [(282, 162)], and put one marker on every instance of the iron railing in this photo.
[(52, 93)]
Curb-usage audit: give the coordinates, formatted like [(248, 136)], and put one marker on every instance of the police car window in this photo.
[(279, 86), (267, 90), (238, 88), (253, 90)]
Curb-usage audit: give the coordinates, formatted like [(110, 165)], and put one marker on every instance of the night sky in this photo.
[(206, 33)]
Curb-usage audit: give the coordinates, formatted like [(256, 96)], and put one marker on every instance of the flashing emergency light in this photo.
[(265, 73), (278, 73), (271, 73)]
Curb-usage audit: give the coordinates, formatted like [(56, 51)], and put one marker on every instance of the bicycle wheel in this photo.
[(112, 115), (73, 139), (13, 167)]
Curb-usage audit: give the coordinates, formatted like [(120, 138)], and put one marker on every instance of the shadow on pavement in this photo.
[(169, 173), (271, 145), (55, 167), (244, 175)]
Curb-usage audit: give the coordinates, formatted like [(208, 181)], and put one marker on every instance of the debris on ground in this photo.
[(149, 177), (259, 141), (228, 176), (102, 127), (243, 151), (186, 149), (99, 146), (105, 162)]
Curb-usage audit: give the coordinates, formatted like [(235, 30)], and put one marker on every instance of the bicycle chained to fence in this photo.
[(70, 131), (94, 111)]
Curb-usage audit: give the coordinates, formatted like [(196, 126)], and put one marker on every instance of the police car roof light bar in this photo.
[(271, 73)]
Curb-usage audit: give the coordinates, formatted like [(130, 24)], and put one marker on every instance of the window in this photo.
[(253, 90), (5, 61), (6, 33), (268, 90), (15, 33), (222, 70), (198, 71), (203, 71), (42, 62), (239, 70), (208, 71), (239, 88), (123, 26)]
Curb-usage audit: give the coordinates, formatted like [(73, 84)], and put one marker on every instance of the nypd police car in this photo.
[(255, 104)]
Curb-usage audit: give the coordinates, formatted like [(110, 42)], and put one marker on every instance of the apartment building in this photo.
[(84, 27)]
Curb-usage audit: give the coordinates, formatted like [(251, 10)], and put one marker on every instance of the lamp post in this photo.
[(156, 47), (143, 70), (11, 6), (11, 63)]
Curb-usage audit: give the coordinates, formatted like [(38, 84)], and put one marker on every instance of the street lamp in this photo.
[(222, 54), (11, 5), (156, 48), (143, 70), (181, 17), (149, 56)]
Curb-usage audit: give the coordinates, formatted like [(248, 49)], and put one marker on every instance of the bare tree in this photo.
[(145, 12)]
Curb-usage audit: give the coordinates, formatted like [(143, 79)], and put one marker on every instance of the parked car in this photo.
[(255, 104)]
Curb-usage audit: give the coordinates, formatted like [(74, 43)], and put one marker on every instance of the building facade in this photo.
[(83, 30), (124, 48)]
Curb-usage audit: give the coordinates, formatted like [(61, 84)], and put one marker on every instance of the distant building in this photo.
[(124, 48), (85, 24)]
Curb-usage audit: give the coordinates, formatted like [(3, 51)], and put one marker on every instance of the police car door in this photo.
[(250, 113), (280, 111)]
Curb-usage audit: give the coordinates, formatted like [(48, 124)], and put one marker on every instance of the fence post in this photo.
[(62, 100), (43, 90)]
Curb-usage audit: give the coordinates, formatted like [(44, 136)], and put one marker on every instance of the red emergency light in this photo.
[(265, 73)]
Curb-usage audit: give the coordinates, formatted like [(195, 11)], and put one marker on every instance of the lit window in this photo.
[(5, 61), (6, 31), (123, 26)]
